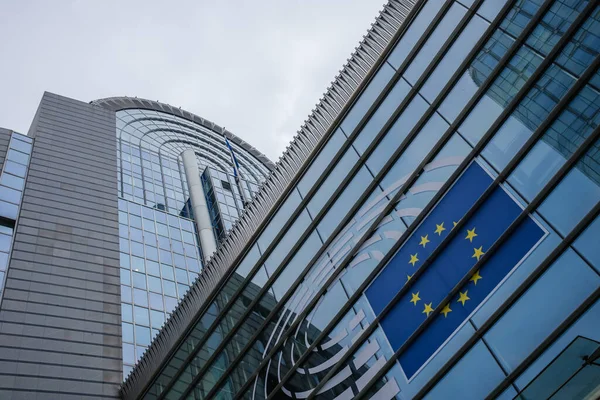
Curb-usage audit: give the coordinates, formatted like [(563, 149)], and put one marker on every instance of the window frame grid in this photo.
[(476, 151), (347, 180), (304, 202)]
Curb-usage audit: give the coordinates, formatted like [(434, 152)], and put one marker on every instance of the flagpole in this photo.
[(236, 172)]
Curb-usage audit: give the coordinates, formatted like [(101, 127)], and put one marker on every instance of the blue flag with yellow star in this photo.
[(478, 234)]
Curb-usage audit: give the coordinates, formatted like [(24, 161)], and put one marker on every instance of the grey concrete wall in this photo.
[(4, 139), (60, 317)]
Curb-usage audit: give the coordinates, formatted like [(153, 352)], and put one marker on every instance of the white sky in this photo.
[(257, 67)]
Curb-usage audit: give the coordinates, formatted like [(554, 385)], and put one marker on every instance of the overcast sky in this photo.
[(257, 67)]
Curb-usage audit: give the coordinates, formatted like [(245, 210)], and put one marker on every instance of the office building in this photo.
[(124, 202), (438, 240), (431, 232)]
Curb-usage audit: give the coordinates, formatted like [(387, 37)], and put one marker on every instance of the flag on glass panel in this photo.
[(478, 234)]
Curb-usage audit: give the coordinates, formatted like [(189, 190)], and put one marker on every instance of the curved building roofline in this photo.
[(335, 103), (126, 103)]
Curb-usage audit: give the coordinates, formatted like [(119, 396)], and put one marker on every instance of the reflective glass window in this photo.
[(367, 97), (434, 42)]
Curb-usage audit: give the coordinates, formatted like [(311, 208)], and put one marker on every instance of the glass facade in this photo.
[(12, 184), (449, 249), (160, 253)]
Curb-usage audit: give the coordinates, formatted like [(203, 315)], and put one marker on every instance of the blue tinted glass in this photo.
[(13, 181), (10, 195), (151, 253), (128, 353), (158, 318), (136, 234), (479, 70), (287, 241), (530, 113), (344, 202), (380, 117), (367, 97), (511, 80), (575, 195), (434, 43), (581, 50), (569, 271), (141, 316), (15, 168), (321, 162), (154, 284), (587, 244), (126, 295), (127, 312), (140, 297), (137, 249), (483, 371), (137, 264), (417, 150), (455, 56), (125, 276), (156, 301), (167, 272), (17, 156), (490, 8), (21, 146), (414, 32), (397, 133), (169, 288), (142, 335), (127, 332), (181, 275), (152, 268), (333, 181), (8, 210)]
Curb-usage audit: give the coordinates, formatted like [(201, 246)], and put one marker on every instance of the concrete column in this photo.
[(198, 202)]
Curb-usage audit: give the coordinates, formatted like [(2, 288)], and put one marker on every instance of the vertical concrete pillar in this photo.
[(198, 203)]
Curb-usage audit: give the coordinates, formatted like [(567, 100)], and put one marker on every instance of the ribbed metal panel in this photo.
[(329, 108), (124, 103)]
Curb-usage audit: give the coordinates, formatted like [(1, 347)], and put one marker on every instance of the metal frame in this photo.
[(127, 103), (505, 173), (476, 150), (359, 202), (428, 158), (297, 212), (304, 147), (299, 209), (542, 195)]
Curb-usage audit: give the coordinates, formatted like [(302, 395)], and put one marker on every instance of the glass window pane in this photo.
[(142, 335), (15, 168), (156, 301), (141, 316), (10, 195), (127, 332)]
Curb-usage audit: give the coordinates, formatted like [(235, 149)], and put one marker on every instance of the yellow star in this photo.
[(415, 298), (408, 277), (446, 310), (475, 278), (428, 310), (439, 228), (455, 223), (463, 297), (478, 253), (424, 240), (413, 259), (471, 234)]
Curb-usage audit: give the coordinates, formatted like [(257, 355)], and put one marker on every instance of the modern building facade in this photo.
[(437, 238), (103, 208), (431, 232)]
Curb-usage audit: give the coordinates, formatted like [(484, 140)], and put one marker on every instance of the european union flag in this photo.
[(451, 265)]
